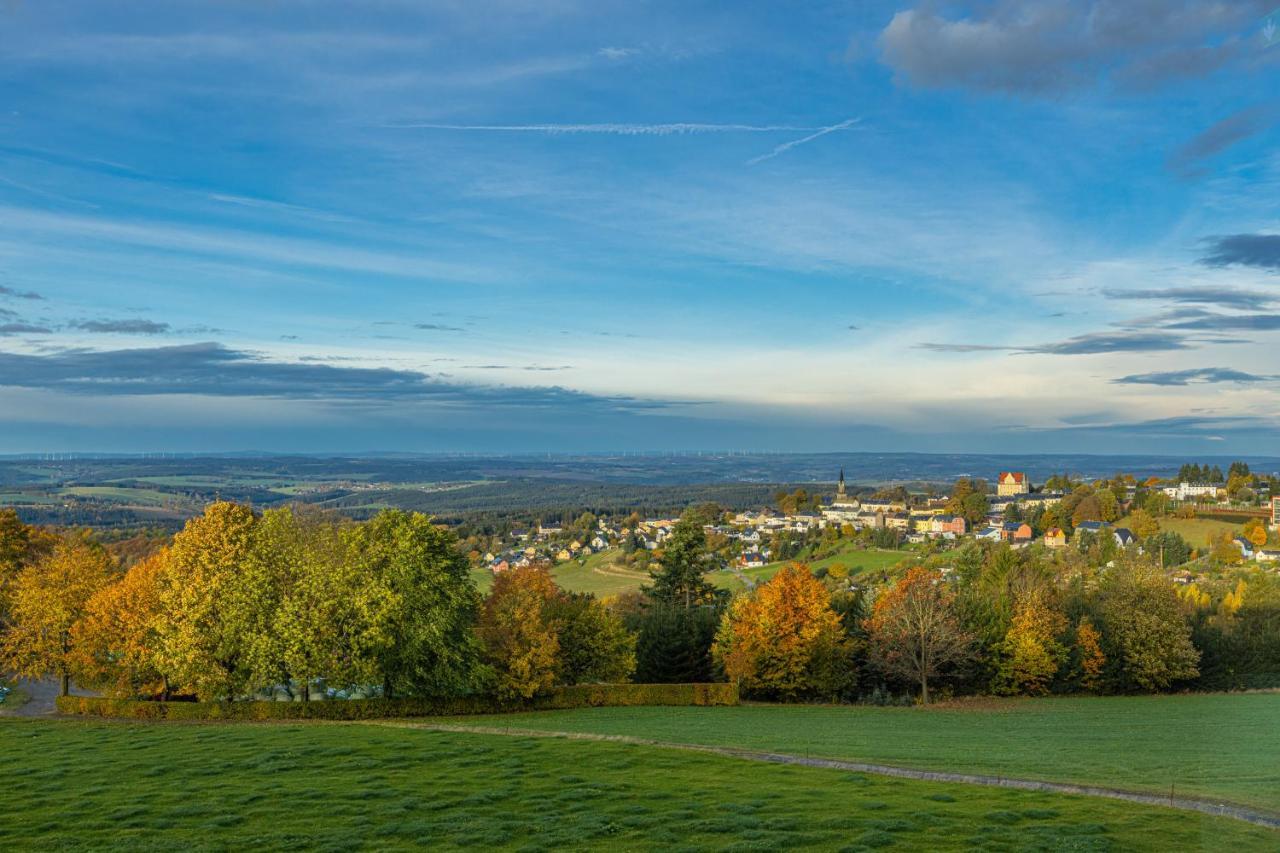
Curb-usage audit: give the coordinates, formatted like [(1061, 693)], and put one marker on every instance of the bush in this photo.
[(579, 696)]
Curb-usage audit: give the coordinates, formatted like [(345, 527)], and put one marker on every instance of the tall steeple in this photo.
[(840, 485)]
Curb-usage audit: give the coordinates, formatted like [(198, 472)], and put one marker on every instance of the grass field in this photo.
[(74, 785), (1195, 530), (1220, 745), (855, 559)]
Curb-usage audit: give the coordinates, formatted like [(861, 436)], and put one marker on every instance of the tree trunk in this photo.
[(66, 685), (306, 691), (924, 690), (386, 688)]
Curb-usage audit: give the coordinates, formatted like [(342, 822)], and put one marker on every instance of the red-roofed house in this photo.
[(1011, 483)]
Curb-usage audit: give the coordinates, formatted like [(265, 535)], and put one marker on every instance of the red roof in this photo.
[(1012, 476)]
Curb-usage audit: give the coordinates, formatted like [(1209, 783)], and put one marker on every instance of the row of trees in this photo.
[(242, 602)]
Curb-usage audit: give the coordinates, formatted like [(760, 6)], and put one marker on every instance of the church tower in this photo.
[(840, 495)]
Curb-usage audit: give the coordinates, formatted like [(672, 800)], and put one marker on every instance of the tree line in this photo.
[(289, 601)]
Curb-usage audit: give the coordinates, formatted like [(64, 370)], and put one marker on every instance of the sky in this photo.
[(1038, 226)]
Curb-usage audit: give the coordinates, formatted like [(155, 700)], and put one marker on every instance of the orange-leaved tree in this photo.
[(520, 639), (115, 641), (914, 630), (785, 641), (47, 599), (1090, 657)]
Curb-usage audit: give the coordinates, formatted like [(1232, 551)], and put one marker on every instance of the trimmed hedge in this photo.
[(578, 696)]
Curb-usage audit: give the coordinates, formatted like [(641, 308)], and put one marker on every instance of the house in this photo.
[(1267, 556), (1012, 483), (1275, 512), (955, 525), (551, 529), (1014, 531), (1124, 537), (563, 555), (1054, 537), (599, 543), (897, 520), (752, 560), (1245, 546), (1094, 527), (992, 533), (499, 566), (521, 533)]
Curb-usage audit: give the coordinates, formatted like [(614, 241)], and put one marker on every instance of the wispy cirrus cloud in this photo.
[(1237, 127), (1231, 323), (1093, 343), (1225, 297), (669, 129), (1193, 376)]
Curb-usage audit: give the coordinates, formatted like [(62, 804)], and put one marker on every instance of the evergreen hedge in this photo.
[(578, 696)]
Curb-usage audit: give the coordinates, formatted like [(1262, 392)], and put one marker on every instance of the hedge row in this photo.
[(579, 696)]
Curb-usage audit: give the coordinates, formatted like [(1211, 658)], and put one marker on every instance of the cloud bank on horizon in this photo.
[(1036, 226)]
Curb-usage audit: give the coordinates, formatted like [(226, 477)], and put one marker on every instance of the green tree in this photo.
[(1143, 622), (673, 642), (430, 606), (1143, 525), (681, 574), (595, 645)]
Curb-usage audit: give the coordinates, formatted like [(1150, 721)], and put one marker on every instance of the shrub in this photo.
[(564, 698)]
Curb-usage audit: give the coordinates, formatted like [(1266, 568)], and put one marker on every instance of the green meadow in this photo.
[(1202, 745), (103, 786)]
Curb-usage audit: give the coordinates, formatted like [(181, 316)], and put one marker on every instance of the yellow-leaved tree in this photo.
[(520, 639), (47, 598), (115, 641), (1031, 653), (206, 607), (785, 641)]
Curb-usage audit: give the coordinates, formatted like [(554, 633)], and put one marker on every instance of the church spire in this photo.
[(840, 484)]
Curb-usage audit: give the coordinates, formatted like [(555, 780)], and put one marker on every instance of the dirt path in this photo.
[(1209, 807)]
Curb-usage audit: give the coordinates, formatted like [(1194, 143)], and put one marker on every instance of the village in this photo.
[(1010, 510)]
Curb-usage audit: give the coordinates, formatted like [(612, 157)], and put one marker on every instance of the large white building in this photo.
[(843, 508), (1184, 490)]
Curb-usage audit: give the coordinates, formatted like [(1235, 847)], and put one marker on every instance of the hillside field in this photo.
[(1204, 745), (82, 785)]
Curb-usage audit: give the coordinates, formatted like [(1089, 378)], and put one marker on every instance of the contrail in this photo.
[(616, 129), (787, 146)]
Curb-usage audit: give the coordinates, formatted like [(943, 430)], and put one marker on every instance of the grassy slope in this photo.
[(1205, 745), (139, 787), (1195, 530)]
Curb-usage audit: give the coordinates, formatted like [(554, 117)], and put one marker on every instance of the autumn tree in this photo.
[(1143, 621), (785, 641), (681, 574), (428, 605), (1031, 653), (1143, 525), (20, 546), (518, 632), (48, 598), (1256, 532), (914, 630), (1090, 660), (206, 609), (116, 639)]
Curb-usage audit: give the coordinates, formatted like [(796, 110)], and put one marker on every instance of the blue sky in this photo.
[(562, 225)]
